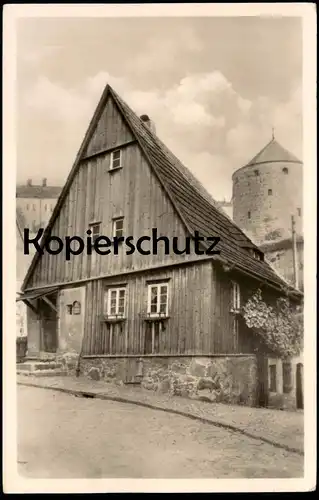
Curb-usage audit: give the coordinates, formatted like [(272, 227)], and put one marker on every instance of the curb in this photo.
[(118, 399)]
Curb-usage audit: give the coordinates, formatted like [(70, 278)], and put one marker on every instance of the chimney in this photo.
[(29, 182), (44, 182), (148, 123)]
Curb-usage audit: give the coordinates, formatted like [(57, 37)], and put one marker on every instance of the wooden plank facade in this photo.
[(198, 295)]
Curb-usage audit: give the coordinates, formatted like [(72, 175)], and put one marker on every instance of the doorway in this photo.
[(49, 324), (299, 386), (262, 381)]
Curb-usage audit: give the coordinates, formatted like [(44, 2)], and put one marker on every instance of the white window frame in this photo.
[(235, 296), (116, 159), (108, 310), (158, 305), (114, 229)]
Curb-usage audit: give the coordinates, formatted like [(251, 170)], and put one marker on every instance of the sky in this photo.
[(214, 88)]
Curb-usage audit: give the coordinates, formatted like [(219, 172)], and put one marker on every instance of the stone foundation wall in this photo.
[(227, 379), (68, 361)]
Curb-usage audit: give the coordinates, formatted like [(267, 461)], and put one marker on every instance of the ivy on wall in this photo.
[(279, 327)]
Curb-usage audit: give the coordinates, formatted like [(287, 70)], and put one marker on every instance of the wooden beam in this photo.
[(31, 306), (108, 150), (49, 303)]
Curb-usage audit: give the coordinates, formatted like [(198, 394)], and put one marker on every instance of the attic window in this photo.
[(285, 170), (256, 172), (269, 192), (115, 159)]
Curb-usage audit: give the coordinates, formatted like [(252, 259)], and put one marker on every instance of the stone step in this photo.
[(43, 373), (38, 366)]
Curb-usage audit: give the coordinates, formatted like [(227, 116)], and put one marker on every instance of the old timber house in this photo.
[(168, 322)]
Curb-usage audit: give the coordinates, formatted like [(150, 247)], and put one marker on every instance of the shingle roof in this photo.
[(196, 208), (273, 152), (41, 192)]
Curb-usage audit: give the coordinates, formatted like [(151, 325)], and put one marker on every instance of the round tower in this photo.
[(267, 192)]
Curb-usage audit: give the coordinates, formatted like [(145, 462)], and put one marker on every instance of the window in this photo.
[(33, 207), (157, 299), (115, 159), (273, 378), (286, 377), (235, 296), (45, 208), (51, 208), (235, 332), (69, 308), (118, 225), (116, 302), (269, 192), (285, 170), (249, 215), (299, 211), (256, 172), (76, 307), (95, 228), (27, 206)]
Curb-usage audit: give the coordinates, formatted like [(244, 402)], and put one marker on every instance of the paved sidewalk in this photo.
[(283, 429)]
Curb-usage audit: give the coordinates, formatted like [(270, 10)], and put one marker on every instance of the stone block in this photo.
[(198, 367), (94, 374)]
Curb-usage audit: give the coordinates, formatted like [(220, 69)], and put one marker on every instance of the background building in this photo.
[(35, 203), (267, 205), (227, 207)]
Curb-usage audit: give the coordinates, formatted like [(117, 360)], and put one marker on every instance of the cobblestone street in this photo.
[(62, 436)]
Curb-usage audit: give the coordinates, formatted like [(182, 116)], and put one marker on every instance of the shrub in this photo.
[(280, 328)]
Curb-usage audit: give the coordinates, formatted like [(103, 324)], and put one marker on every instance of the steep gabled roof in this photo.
[(273, 152), (20, 223), (196, 208)]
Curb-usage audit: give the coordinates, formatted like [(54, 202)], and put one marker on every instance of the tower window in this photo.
[(249, 215), (256, 172), (269, 192), (285, 170)]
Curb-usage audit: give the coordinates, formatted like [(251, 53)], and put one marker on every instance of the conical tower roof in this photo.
[(273, 152)]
